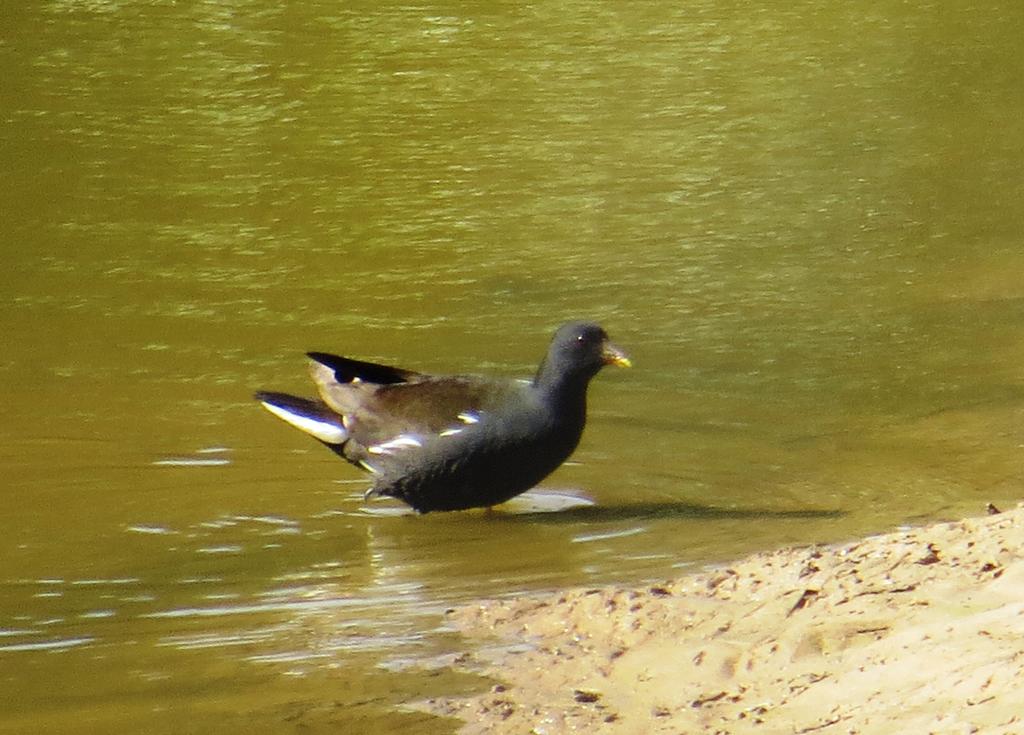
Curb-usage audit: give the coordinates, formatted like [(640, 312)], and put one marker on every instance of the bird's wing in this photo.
[(347, 370)]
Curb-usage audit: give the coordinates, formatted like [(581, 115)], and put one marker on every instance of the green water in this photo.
[(804, 223)]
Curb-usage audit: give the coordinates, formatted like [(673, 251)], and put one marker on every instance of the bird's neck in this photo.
[(566, 394)]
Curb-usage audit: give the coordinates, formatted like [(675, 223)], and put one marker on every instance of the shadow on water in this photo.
[(655, 511)]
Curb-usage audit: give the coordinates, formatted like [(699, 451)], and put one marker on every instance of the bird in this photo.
[(452, 442)]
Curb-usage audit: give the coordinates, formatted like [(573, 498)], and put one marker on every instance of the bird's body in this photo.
[(452, 442)]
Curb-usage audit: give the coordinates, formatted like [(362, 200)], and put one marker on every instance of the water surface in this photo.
[(804, 224)]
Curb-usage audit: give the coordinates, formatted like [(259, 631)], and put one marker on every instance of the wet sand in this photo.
[(917, 631)]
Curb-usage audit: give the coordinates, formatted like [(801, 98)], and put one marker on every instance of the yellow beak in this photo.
[(612, 355)]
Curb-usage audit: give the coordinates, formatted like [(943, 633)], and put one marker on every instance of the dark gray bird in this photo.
[(452, 442)]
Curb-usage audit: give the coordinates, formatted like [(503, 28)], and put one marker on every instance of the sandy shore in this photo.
[(920, 631)]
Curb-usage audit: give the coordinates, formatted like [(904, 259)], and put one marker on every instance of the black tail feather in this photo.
[(310, 416), (304, 406)]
